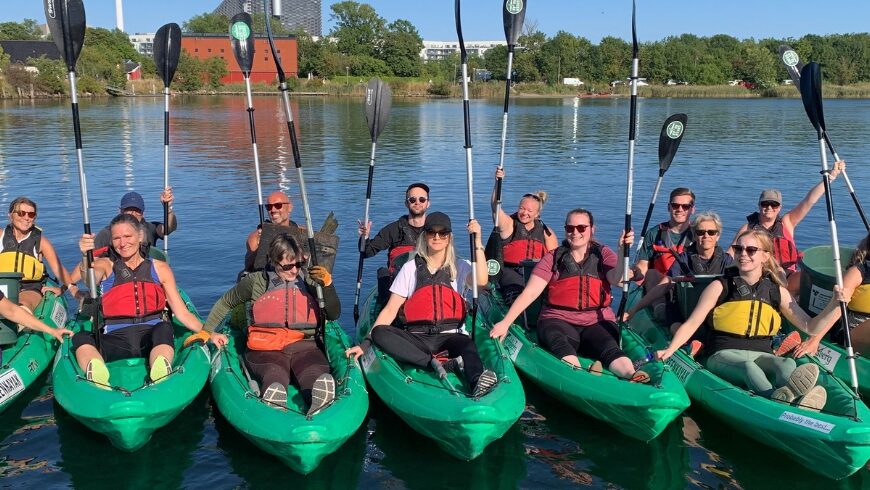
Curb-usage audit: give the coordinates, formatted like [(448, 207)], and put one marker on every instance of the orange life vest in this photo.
[(579, 287)]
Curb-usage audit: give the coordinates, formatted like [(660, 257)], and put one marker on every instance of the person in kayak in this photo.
[(745, 309), (782, 227), (21, 316), (399, 237), (25, 249), (523, 237), (279, 206), (133, 204), (427, 298), (135, 293), (576, 318), (703, 257), (664, 242), (284, 318)]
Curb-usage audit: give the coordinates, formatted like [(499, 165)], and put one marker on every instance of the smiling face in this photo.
[(288, 267), (23, 217), (437, 240), (417, 202), (574, 223), (680, 208), (769, 209), (749, 253), (529, 210), (126, 239), (278, 206)]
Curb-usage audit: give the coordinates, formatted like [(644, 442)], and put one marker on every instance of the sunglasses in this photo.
[(685, 207), (443, 234), (576, 228), (277, 205), (769, 204), (290, 266), (750, 251), (706, 232), (29, 214), (414, 199)]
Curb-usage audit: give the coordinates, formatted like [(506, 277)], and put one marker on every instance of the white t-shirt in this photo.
[(406, 280)]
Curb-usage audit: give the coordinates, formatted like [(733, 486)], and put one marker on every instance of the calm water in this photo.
[(574, 149)]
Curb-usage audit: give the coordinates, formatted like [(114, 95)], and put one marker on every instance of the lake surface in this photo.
[(575, 149)]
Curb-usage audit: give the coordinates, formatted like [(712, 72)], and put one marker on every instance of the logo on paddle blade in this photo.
[(674, 130), (49, 8), (790, 58), (240, 31), (514, 6), (492, 267)]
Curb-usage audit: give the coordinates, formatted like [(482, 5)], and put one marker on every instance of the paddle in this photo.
[(66, 21), (297, 160), (167, 49), (242, 39), (466, 115), (377, 108), (793, 66), (632, 129), (811, 94)]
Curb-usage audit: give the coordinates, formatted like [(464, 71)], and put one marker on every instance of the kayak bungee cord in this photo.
[(167, 49)]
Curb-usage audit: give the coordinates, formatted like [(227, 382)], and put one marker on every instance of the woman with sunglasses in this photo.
[(781, 227), (523, 237), (576, 318), (427, 298), (745, 310), (25, 249), (281, 326)]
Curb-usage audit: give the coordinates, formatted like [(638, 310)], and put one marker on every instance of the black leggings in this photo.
[(417, 348), (302, 360), (128, 342), (511, 283), (596, 342)]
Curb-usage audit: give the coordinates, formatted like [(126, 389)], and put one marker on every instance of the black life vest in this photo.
[(664, 252), (407, 242), (579, 287), (524, 244), (434, 306), (132, 296), (697, 265), (785, 250), (24, 256)]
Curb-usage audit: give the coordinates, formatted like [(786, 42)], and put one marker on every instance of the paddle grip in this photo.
[(294, 144)]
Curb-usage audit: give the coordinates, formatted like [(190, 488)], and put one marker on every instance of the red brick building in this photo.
[(204, 46)]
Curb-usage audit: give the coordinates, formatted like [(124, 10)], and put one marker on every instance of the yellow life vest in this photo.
[(861, 299), (24, 256), (747, 310)]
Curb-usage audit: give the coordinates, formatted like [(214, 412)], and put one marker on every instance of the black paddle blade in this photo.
[(463, 55), (811, 94), (672, 133), (513, 14), (167, 49), (379, 99), (66, 21), (633, 30), (792, 62), (242, 38)]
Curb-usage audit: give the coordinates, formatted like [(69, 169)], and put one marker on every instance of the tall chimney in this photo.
[(119, 15)]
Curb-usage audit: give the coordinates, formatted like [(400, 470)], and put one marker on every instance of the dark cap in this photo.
[(770, 195), (418, 185), (132, 200), (437, 221)]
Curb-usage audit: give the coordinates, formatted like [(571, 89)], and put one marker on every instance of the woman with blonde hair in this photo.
[(745, 309)]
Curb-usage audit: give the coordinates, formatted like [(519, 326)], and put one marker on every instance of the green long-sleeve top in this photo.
[(253, 286)]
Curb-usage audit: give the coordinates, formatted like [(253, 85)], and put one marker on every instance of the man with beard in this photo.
[(279, 207)]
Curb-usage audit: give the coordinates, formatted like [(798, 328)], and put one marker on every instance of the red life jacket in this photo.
[(407, 242), (434, 306), (524, 244), (579, 287), (132, 296), (281, 315), (664, 252), (785, 250)]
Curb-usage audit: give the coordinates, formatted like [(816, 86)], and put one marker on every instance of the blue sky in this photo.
[(482, 18)]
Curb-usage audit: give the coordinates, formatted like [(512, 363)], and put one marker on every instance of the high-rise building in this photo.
[(305, 14)]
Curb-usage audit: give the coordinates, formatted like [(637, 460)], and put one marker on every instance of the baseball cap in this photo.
[(437, 221), (132, 200), (770, 195)]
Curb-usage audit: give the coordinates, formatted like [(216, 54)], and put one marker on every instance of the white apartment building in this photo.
[(438, 50), (143, 42)]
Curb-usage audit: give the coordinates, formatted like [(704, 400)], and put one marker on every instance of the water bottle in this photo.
[(649, 357)]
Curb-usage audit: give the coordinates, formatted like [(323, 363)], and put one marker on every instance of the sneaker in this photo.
[(695, 346), (814, 399), (783, 394), (322, 393), (455, 366), (485, 383), (160, 369), (788, 344), (803, 378), (98, 373), (596, 368), (276, 394), (640, 377)]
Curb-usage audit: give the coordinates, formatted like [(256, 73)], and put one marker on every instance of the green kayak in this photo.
[(640, 411), (27, 354), (299, 441), (834, 442), (133, 409), (444, 410)]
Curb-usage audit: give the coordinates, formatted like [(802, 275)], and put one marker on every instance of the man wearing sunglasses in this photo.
[(398, 237), (279, 206), (663, 244), (133, 204)]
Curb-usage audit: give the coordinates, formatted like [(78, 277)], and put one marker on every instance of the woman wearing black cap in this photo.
[(434, 277)]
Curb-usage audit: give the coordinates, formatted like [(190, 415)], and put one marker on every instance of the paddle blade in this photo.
[(167, 49), (672, 133), (66, 21), (513, 14), (463, 55), (792, 62), (811, 94), (242, 38), (633, 29), (379, 100)]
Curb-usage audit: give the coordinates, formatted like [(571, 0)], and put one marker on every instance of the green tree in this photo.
[(4, 60), (207, 23), (259, 25), (401, 49), (19, 78), (614, 58), (358, 30), (51, 75), (756, 65), (188, 75), (26, 30), (495, 60), (560, 57), (309, 54), (215, 68)]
